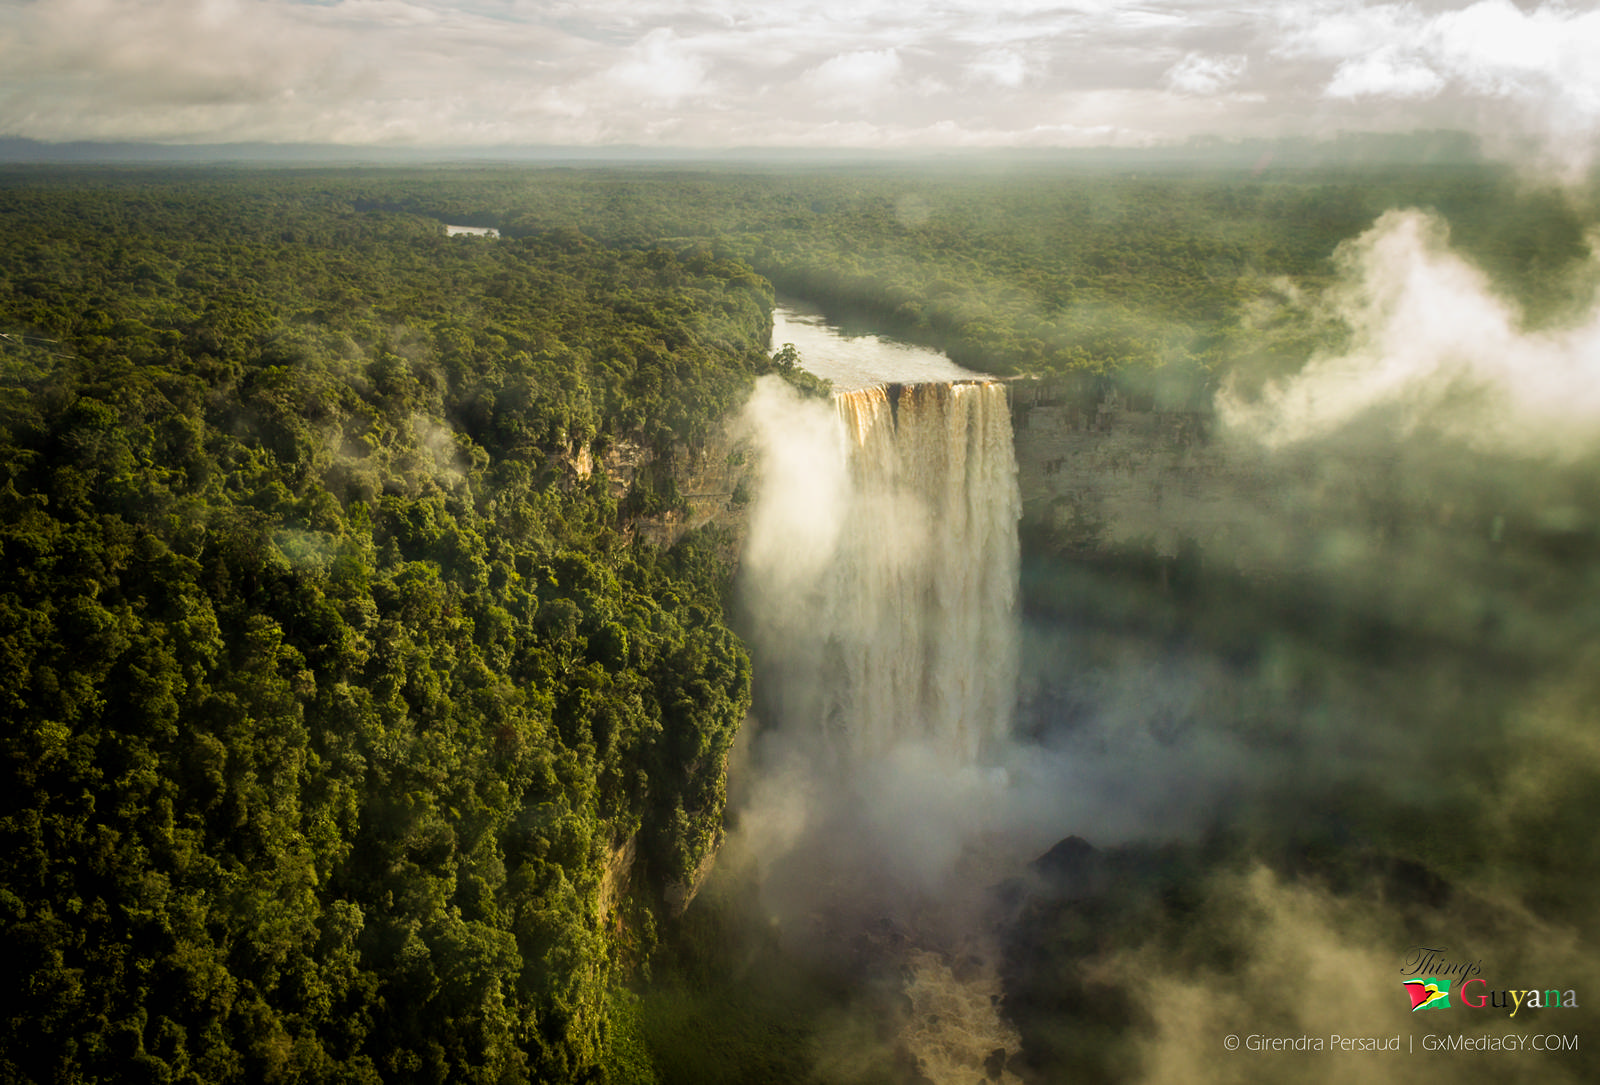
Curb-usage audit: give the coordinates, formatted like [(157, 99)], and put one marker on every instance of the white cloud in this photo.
[(660, 69), (717, 72), (1435, 349), (854, 78), (1497, 48), (1535, 68), (1384, 74), (1000, 67), (708, 71), (1336, 30), (183, 51), (1200, 74)]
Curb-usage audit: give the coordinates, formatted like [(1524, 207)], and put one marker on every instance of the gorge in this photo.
[(879, 584), (1195, 640)]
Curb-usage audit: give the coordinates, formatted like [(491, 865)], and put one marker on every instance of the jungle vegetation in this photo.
[(1047, 269), (331, 684)]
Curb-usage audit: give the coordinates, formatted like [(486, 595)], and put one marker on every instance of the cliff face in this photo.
[(662, 497), (1097, 474), (715, 479), (707, 483), (1101, 476)]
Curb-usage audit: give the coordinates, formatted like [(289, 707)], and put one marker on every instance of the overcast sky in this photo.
[(846, 73)]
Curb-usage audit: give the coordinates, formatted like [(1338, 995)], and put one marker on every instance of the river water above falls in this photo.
[(853, 360)]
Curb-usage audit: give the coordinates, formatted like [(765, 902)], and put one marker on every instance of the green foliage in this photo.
[(787, 363), (328, 686), (628, 1060), (1171, 274), (727, 1003)]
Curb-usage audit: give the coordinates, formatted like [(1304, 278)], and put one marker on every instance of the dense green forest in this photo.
[(334, 685), (330, 686), (1046, 268)]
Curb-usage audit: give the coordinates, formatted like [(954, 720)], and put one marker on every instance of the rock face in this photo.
[(618, 873), (1096, 473), (678, 895), (703, 484), (1069, 869), (713, 478)]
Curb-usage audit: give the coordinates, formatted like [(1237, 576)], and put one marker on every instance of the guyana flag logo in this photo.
[(1428, 993)]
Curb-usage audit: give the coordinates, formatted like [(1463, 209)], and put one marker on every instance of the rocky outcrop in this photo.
[(678, 895), (618, 873), (714, 481), (691, 485), (1097, 473)]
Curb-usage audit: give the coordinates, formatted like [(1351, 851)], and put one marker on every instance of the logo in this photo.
[(1428, 993), (1432, 973), (1432, 963)]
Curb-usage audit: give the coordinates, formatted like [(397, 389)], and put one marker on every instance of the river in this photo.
[(854, 361)]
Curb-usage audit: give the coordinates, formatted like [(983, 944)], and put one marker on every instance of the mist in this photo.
[(1351, 716), (880, 599), (1368, 701), (1437, 351), (878, 584)]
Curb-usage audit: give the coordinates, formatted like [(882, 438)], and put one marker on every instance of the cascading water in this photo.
[(902, 628), (919, 609), (880, 584)]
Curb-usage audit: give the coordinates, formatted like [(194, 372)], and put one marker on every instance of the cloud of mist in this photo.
[(1143, 750), (804, 496), (1354, 837), (1529, 69), (438, 455), (1374, 732), (1353, 808), (1379, 710), (1396, 538), (841, 810), (1306, 961), (1436, 349)]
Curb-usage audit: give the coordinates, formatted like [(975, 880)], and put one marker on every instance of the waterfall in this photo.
[(879, 580), (893, 614)]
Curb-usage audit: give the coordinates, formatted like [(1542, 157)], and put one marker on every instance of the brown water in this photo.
[(853, 362)]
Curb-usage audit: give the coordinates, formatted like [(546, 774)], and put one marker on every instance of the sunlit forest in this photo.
[(361, 722)]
